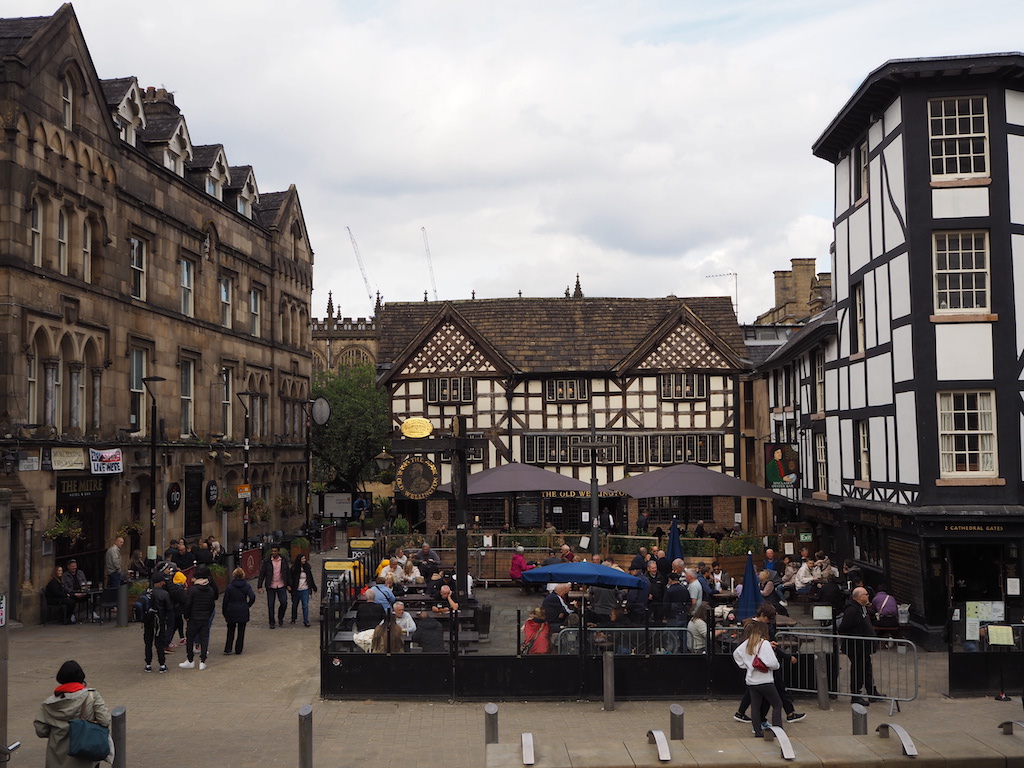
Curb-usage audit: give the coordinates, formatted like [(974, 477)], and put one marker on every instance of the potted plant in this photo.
[(300, 546), (226, 502), (65, 527), (129, 528), (259, 512), (135, 589), (285, 506), (219, 574)]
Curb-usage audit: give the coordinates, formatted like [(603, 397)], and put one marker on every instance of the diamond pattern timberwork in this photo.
[(682, 349), (449, 350)]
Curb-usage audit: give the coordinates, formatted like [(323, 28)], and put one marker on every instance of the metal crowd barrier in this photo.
[(624, 641)]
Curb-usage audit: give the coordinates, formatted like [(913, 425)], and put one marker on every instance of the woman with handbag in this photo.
[(76, 721), (754, 654)]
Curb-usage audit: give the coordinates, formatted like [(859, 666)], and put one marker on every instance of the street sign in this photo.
[(244, 492)]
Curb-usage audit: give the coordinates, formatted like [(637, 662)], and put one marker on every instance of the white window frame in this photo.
[(967, 434), (67, 102), (819, 381), (137, 252), (137, 363), (188, 277), (566, 391), (683, 386), (958, 138), (863, 454), (87, 250), (861, 163), (32, 388), (255, 318), (226, 410), (857, 325), (450, 389), (62, 241), (225, 288), (37, 232), (821, 460), (969, 244), (187, 379)]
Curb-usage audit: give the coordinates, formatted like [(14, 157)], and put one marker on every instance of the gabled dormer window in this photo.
[(129, 116), (178, 151)]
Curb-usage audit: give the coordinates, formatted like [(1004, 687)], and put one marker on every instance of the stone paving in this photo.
[(245, 709)]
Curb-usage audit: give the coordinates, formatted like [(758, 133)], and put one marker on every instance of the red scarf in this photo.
[(60, 690)]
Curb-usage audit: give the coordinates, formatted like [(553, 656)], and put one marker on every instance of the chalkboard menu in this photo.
[(193, 501), (527, 513), (906, 572)]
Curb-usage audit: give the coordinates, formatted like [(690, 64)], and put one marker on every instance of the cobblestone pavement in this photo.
[(244, 708)]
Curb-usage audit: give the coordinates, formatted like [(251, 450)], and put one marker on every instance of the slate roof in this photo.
[(203, 156), (238, 173), (14, 33), (559, 334), (268, 207), (159, 128), (822, 325), (115, 89)]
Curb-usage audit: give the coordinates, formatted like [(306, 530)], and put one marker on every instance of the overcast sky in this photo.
[(642, 145)]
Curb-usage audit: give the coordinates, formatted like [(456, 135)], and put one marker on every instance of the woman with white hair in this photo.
[(519, 564)]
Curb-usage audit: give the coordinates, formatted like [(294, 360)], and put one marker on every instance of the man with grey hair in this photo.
[(112, 564), (855, 623), (556, 609), (694, 588), (403, 619)]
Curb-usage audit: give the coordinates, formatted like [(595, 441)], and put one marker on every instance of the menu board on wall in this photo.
[(906, 571), (527, 514)]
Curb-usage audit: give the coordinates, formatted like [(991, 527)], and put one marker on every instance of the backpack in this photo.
[(145, 608)]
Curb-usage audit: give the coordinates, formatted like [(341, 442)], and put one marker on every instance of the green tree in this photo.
[(346, 444)]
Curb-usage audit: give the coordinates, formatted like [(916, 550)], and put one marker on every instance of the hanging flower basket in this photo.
[(65, 527)]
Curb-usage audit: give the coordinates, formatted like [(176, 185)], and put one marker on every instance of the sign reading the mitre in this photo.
[(417, 478)]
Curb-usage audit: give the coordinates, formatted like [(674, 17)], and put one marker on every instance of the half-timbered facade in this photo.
[(916, 470), (657, 378)]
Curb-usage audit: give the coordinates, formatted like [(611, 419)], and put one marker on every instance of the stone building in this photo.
[(343, 341), (133, 261)]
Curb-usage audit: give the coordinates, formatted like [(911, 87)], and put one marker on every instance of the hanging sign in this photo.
[(107, 462)]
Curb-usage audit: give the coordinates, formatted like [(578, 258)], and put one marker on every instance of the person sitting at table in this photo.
[(697, 629), (387, 638), (410, 573), (566, 555), (445, 602), (399, 557), (556, 609), (137, 565), (384, 595), (831, 593), (57, 596), (720, 580), (789, 571), (427, 560), (369, 613), (806, 578), (76, 584), (536, 634), (404, 619), (601, 602), (429, 634), (769, 593), (518, 566)]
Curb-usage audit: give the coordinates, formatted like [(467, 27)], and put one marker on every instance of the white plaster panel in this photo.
[(960, 202), (484, 420), (879, 371), (860, 246), (1022, 443), (844, 388), (831, 389), (906, 438), (845, 438), (1017, 253), (717, 400), (899, 282), (414, 388), (534, 387), (878, 446), (876, 206), (890, 450), (700, 421), (1015, 161), (843, 184), (893, 116), (843, 331), (518, 404), (840, 282), (896, 208), (633, 402), (875, 134), (870, 311), (1014, 107), (835, 478), (882, 318), (903, 353), (650, 419), (534, 421), (858, 393), (963, 351)]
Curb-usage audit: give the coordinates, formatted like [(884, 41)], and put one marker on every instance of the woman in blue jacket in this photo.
[(238, 598)]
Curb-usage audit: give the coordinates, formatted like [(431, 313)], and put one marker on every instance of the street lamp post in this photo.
[(594, 445), (245, 463), (146, 381)]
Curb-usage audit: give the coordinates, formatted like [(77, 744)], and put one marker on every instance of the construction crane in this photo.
[(359, 258), (430, 262)]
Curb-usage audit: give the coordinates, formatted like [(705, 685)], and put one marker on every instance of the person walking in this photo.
[(158, 614), (238, 599), (275, 574), (200, 603), (302, 584), (755, 655), (854, 622), (71, 700)]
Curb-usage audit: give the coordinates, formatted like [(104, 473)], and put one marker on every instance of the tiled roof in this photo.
[(269, 205), (239, 173), (115, 89), (160, 128), (14, 33), (821, 325), (559, 334), (203, 156)]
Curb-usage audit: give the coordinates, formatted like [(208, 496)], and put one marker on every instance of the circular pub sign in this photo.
[(416, 478), (212, 493), (174, 496)]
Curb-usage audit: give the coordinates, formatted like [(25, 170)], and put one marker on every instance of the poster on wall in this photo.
[(338, 505), (107, 462), (781, 466)]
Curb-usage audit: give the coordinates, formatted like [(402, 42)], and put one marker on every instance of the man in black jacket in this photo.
[(200, 605), (855, 622), (429, 634), (158, 613)]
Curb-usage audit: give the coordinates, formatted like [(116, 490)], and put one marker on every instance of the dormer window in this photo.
[(129, 117), (178, 151)]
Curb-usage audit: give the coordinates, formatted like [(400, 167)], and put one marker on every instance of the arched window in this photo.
[(32, 386), (354, 356), (67, 97), (37, 233), (87, 250), (62, 241)]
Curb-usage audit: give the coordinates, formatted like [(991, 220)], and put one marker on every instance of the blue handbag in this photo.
[(89, 740)]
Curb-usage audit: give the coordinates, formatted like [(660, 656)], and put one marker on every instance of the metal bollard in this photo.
[(608, 665), (675, 722), (860, 720), (119, 733), (821, 673), (490, 723), (122, 604), (305, 736)]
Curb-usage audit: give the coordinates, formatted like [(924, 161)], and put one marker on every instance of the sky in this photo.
[(652, 148)]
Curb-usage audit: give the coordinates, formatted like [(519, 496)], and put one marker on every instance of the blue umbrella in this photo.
[(751, 596), (675, 548), (582, 573)]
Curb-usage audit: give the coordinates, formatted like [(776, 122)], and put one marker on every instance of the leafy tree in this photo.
[(345, 446)]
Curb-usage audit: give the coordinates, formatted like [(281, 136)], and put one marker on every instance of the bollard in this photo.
[(675, 722), (119, 733), (490, 723), (821, 673), (860, 720), (608, 665), (122, 604), (305, 736)]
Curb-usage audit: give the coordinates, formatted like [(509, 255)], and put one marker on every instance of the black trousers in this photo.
[(198, 631), (152, 634), (236, 635), (861, 673), (761, 693), (784, 695)]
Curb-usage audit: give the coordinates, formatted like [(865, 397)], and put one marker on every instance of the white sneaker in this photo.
[(187, 665), (202, 665)]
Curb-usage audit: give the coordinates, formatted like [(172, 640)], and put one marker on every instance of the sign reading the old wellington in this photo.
[(417, 478), (417, 426)]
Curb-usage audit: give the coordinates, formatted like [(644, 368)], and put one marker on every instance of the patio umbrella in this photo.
[(582, 573), (687, 480), (514, 477), (675, 548), (751, 595)]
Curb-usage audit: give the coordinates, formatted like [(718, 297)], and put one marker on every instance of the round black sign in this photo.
[(416, 478), (212, 493), (173, 496)]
